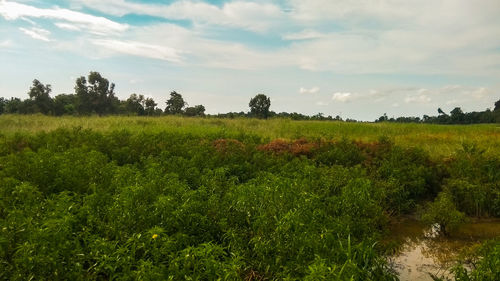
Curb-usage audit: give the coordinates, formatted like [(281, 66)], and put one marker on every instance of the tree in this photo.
[(14, 105), (150, 106), (197, 110), (382, 118), (64, 104), (259, 106), (3, 105), (175, 103), (40, 95), (95, 96), (497, 106), (440, 111), (135, 104), (457, 115)]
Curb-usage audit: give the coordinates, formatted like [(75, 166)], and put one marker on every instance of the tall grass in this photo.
[(439, 140)]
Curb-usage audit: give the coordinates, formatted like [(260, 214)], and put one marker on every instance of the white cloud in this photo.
[(453, 101), (94, 24), (480, 93), (37, 33), (254, 16), (420, 97), (28, 20), (6, 43), (342, 97), (312, 90), (412, 37), (321, 103), (140, 49), (303, 35), (67, 26), (409, 45)]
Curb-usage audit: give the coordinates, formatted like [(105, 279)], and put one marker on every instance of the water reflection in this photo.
[(422, 251)]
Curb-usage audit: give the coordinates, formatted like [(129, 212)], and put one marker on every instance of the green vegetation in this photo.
[(172, 198), (439, 140), (485, 263)]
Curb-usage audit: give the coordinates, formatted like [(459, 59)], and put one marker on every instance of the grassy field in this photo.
[(176, 198), (438, 140)]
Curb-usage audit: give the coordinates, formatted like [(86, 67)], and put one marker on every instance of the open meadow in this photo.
[(438, 140), (177, 198)]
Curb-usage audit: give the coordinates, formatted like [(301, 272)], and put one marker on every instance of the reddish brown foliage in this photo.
[(303, 147), (228, 145), (297, 147), (276, 146)]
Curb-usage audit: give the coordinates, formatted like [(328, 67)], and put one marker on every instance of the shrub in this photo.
[(443, 213)]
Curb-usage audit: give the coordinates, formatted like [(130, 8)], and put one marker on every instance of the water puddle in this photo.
[(422, 251)]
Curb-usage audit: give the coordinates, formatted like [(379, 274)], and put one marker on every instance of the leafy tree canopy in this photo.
[(259, 106), (175, 103), (197, 110), (97, 95), (40, 94)]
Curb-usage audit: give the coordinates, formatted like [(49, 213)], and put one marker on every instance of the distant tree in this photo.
[(197, 110), (497, 106), (40, 95), (457, 115), (318, 116), (3, 104), (64, 104), (135, 104), (259, 106), (13, 105), (440, 111), (456, 111), (96, 96), (383, 118), (175, 103), (150, 106)]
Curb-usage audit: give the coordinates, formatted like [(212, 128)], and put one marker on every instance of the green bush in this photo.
[(443, 213)]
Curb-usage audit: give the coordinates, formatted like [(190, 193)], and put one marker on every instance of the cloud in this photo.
[(36, 33), (140, 49), (6, 43), (303, 35), (342, 97), (454, 101), (93, 24), (254, 16), (67, 26), (400, 40), (457, 92), (312, 90), (480, 93), (421, 97), (413, 37)]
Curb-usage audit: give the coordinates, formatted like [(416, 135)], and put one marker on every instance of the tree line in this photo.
[(456, 116), (96, 95)]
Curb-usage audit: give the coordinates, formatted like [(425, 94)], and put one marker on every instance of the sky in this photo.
[(357, 59)]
